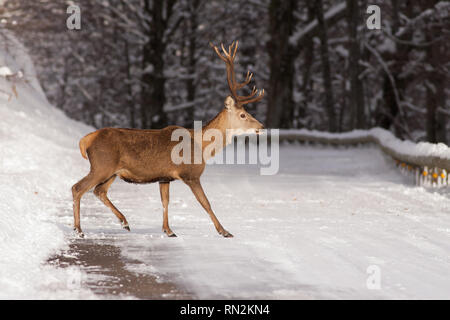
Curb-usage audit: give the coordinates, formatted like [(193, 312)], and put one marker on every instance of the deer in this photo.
[(144, 155)]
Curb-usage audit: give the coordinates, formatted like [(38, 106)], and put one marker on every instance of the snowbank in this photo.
[(14, 60), (38, 164), (421, 154)]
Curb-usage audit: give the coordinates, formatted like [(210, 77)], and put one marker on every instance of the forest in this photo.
[(148, 64), (346, 197)]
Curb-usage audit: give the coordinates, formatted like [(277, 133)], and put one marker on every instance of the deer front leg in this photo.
[(197, 189), (164, 191)]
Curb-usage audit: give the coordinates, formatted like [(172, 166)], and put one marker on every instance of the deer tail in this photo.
[(86, 142)]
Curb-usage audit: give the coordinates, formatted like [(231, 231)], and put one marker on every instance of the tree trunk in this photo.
[(153, 81), (192, 61), (281, 25), (430, 122), (390, 114), (326, 72), (356, 99), (441, 129), (130, 99), (436, 84)]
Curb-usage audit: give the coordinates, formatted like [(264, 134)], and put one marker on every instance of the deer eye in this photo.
[(243, 115)]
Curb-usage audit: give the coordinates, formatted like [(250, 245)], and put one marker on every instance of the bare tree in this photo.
[(326, 70), (159, 31), (358, 117), (281, 26)]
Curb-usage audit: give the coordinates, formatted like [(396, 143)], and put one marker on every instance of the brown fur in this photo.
[(86, 142)]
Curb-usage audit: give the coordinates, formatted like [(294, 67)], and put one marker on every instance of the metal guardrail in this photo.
[(429, 164)]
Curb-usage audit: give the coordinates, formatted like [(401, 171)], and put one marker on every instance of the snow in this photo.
[(37, 166), (310, 232), (440, 8), (385, 138), (14, 59), (301, 32), (5, 71), (387, 46)]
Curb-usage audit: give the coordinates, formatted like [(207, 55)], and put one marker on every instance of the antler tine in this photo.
[(251, 95), (220, 55), (227, 54), (217, 51), (255, 99), (254, 91), (231, 52), (236, 44), (248, 78)]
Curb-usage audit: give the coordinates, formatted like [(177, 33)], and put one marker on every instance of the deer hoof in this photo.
[(125, 226), (79, 233), (226, 234), (170, 233)]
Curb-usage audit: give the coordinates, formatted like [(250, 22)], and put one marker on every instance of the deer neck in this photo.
[(220, 123)]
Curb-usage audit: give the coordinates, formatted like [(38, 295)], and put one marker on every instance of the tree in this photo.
[(191, 87), (158, 31), (356, 99), (281, 26), (436, 80), (147, 63), (326, 70)]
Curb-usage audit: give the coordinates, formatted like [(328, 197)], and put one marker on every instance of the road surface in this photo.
[(333, 223)]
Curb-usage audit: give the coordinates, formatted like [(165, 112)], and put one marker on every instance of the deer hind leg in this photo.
[(164, 191), (78, 189), (197, 189), (101, 192)]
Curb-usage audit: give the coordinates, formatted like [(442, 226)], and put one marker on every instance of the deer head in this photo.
[(237, 117)]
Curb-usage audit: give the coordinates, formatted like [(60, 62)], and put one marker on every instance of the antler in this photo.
[(228, 58)]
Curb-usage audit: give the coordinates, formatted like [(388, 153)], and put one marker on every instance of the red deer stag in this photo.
[(144, 156)]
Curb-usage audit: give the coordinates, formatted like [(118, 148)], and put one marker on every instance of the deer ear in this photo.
[(229, 103)]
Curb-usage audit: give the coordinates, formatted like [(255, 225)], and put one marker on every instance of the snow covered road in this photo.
[(311, 231)]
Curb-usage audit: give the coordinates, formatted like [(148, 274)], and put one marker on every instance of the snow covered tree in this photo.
[(148, 63)]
